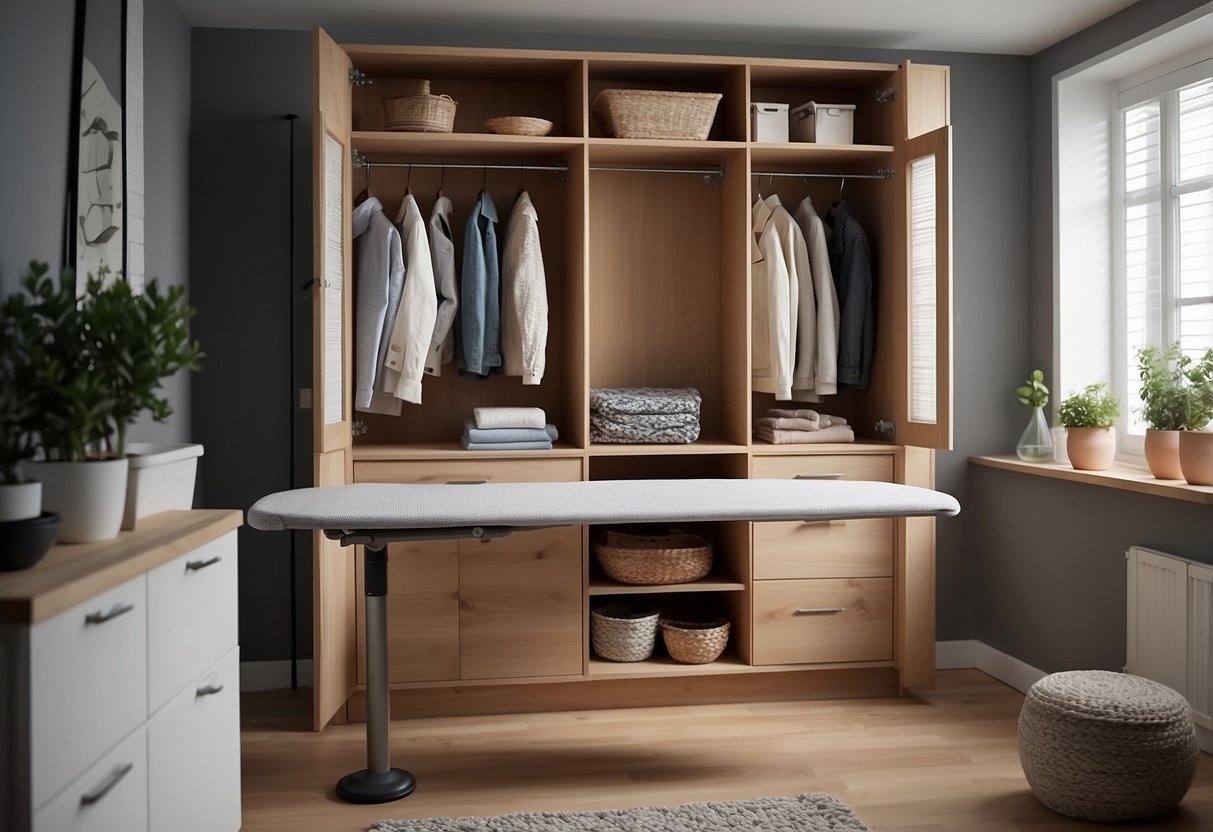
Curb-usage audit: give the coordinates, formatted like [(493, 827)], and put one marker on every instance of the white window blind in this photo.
[(334, 280), (923, 287)]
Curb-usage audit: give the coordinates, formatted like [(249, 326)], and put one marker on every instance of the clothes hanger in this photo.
[(404, 201), (484, 180), (521, 184), (366, 193), (441, 180), (834, 205)]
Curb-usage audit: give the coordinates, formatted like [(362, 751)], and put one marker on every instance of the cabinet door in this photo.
[(333, 598), (520, 608)]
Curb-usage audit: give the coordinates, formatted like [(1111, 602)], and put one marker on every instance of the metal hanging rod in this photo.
[(711, 176), (881, 173)]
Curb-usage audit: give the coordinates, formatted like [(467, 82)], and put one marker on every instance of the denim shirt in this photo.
[(478, 345), (851, 263)]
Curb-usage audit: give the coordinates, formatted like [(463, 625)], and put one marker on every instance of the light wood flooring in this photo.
[(941, 761)]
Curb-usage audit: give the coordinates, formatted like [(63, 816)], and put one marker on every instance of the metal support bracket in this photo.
[(376, 539)]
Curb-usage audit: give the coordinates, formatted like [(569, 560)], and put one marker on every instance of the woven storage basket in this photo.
[(419, 113), (519, 126), (624, 632), (413, 86), (654, 559), (652, 114), (695, 642)]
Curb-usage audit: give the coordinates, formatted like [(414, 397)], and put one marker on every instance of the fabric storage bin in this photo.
[(768, 122), (624, 632), (822, 123)]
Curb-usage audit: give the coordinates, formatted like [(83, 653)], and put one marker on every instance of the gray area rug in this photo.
[(803, 813)]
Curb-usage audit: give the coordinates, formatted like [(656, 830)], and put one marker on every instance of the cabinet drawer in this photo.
[(833, 549), (88, 683), (470, 470), (825, 620), (877, 467), (192, 611), (193, 750), (110, 797)]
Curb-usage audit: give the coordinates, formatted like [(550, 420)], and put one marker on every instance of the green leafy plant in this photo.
[(1094, 407), (1176, 391), (16, 406), (1033, 392), (93, 364)]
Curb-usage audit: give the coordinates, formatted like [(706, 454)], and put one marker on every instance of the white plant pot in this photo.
[(161, 479), (20, 500), (88, 496)]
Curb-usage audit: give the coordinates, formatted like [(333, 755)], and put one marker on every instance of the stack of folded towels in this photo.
[(644, 415), (781, 427), (508, 429)]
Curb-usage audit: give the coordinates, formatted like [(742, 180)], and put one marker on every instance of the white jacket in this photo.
[(826, 379), (783, 308), (414, 322), (442, 257), (380, 278), (524, 295)]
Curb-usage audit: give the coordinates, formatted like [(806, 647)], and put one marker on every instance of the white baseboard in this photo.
[(274, 675), (953, 655), (950, 655)]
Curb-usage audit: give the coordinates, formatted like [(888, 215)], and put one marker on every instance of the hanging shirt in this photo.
[(851, 263), (442, 257), (414, 322), (524, 295), (478, 339), (380, 277), (825, 378), (784, 309)]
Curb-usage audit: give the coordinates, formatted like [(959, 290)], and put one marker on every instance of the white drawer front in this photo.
[(88, 683), (194, 754), (110, 797), (192, 616)]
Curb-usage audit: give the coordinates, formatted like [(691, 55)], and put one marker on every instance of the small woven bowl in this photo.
[(695, 642), (624, 632), (519, 126)]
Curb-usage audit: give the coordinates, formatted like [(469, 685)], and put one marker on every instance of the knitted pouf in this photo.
[(1106, 746)]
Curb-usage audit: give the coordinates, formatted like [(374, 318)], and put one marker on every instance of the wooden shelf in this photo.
[(602, 585), (693, 448), (663, 665), (1121, 477), (795, 156), (489, 148), (626, 153), (366, 452)]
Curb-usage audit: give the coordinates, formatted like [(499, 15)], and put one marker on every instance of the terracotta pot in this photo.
[(1196, 456), (1162, 454), (1091, 449)]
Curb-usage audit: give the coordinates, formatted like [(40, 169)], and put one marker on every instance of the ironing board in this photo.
[(375, 514)]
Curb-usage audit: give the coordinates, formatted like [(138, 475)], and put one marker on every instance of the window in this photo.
[(1164, 226)]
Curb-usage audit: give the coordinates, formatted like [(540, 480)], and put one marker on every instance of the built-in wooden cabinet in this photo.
[(646, 247)]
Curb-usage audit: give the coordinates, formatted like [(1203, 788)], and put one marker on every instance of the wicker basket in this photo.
[(419, 113), (624, 632), (652, 114), (695, 642), (413, 86), (519, 126), (654, 559)]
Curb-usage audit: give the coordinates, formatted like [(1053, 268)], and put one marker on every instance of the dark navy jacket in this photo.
[(851, 262)]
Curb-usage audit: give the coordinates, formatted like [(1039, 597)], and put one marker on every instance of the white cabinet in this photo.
[(120, 709)]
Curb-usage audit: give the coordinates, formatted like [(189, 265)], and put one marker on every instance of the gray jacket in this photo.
[(478, 334), (380, 280), (851, 263), (442, 253)]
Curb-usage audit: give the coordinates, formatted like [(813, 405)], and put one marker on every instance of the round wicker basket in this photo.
[(624, 632), (519, 126), (654, 559), (419, 113), (695, 642)]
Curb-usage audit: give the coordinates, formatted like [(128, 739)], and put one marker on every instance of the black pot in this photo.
[(24, 542)]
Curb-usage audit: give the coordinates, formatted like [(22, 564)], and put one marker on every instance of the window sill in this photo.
[(1120, 476)]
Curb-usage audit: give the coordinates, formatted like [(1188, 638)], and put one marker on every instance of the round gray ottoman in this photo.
[(1106, 746)]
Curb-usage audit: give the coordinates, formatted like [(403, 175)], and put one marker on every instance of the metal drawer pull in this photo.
[(835, 522), (112, 780), (102, 617), (195, 565), (819, 610), (207, 690), (466, 482), (824, 475)]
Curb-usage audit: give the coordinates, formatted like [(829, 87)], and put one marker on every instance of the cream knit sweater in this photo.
[(524, 295)]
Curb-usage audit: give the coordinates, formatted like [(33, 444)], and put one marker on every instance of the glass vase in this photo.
[(1036, 443)]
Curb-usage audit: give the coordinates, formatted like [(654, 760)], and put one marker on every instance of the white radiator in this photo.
[(1170, 628)]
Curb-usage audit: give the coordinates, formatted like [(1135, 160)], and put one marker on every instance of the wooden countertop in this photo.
[(1120, 476), (71, 573)]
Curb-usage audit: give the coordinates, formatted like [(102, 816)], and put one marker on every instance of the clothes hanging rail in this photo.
[(710, 176), (882, 173)]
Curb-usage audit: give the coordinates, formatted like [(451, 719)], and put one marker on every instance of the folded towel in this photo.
[(506, 446), (510, 417), (834, 433), (474, 434), (788, 413), (645, 400), (787, 423)]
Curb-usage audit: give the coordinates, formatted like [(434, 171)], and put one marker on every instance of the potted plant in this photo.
[(20, 499), (95, 364), (1195, 442), (1035, 444), (1176, 395), (1088, 418)]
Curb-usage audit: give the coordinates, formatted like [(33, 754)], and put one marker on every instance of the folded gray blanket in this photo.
[(645, 400), (472, 433), (644, 429)]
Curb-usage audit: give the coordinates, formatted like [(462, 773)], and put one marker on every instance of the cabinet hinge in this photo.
[(358, 428), (885, 173), (356, 158), (886, 427), (886, 95), (358, 78)]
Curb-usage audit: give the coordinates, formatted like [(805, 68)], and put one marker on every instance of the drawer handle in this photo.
[(820, 610), (466, 482), (823, 475), (834, 522), (195, 565), (102, 617), (112, 780), (207, 690)]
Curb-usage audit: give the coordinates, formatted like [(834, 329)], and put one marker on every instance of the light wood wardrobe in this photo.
[(648, 283)]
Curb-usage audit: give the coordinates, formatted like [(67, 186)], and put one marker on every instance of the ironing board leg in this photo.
[(378, 782)]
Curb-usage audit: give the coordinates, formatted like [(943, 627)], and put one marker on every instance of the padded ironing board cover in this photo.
[(426, 506)]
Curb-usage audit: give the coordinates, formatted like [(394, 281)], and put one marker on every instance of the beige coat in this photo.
[(524, 295), (783, 307), (823, 355), (414, 324)]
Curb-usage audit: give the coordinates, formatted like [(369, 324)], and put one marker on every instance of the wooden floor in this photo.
[(944, 761)]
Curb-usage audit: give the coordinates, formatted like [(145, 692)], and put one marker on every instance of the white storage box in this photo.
[(161, 479), (768, 122), (823, 123)]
